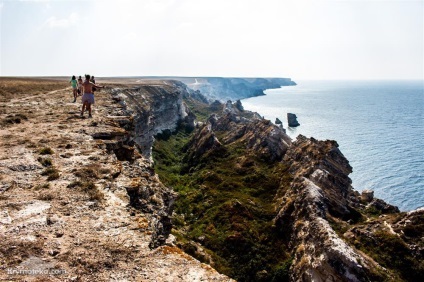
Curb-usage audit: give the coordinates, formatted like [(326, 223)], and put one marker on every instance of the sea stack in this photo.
[(292, 120), (239, 106), (278, 121)]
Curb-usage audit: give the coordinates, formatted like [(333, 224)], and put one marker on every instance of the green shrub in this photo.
[(46, 162), (51, 173), (46, 151)]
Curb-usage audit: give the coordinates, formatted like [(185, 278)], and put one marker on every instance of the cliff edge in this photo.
[(79, 199)]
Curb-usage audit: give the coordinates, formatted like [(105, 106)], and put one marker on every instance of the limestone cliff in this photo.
[(321, 201), (156, 109), (79, 198), (227, 88)]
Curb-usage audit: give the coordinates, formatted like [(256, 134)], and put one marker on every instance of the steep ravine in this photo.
[(261, 207), (153, 110)]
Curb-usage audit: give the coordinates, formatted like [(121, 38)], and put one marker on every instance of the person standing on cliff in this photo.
[(74, 85), (93, 81), (88, 97), (80, 88)]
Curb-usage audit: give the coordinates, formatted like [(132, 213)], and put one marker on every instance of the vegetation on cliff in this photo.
[(225, 204), (259, 208)]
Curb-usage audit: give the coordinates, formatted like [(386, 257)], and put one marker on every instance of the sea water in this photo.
[(378, 125)]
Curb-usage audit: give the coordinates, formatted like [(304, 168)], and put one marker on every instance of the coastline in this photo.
[(342, 121)]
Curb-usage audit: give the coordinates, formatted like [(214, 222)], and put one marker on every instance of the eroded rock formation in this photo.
[(292, 120)]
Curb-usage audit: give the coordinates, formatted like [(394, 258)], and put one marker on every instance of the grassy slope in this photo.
[(225, 203)]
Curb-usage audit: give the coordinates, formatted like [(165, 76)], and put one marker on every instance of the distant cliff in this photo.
[(223, 89)]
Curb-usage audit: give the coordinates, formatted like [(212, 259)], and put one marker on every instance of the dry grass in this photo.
[(93, 192), (13, 87), (42, 186), (51, 172), (12, 119), (46, 162), (46, 196), (88, 172), (89, 188), (14, 251)]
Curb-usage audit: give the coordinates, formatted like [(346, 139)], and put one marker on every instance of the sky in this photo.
[(300, 39)]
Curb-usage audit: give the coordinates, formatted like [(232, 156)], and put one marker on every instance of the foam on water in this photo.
[(379, 126)]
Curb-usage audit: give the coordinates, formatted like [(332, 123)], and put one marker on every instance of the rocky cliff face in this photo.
[(320, 189), (324, 223), (156, 109), (319, 201), (79, 201), (326, 226)]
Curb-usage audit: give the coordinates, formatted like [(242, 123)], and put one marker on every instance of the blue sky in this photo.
[(321, 39)]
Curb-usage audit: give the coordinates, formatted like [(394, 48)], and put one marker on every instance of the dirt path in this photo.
[(63, 201)]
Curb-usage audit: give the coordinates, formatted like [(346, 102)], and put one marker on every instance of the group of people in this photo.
[(86, 89)]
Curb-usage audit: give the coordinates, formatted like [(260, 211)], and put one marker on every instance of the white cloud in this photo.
[(54, 22)]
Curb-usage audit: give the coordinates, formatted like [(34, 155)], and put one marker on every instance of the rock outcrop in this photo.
[(292, 120), (320, 198), (261, 136), (320, 189), (278, 121), (155, 109)]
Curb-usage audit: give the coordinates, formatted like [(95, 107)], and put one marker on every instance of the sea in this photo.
[(378, 125)]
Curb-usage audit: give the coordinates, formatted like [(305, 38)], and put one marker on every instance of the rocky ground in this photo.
[(65, 209)]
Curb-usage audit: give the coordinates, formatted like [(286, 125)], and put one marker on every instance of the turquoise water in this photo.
[(378, 125)]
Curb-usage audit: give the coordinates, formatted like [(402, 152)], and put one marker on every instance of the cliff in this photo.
[(248, 191), (223, 89), (81, 196)]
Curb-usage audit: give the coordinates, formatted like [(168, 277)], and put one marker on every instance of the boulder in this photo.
[(367, 196), (239, 106)]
